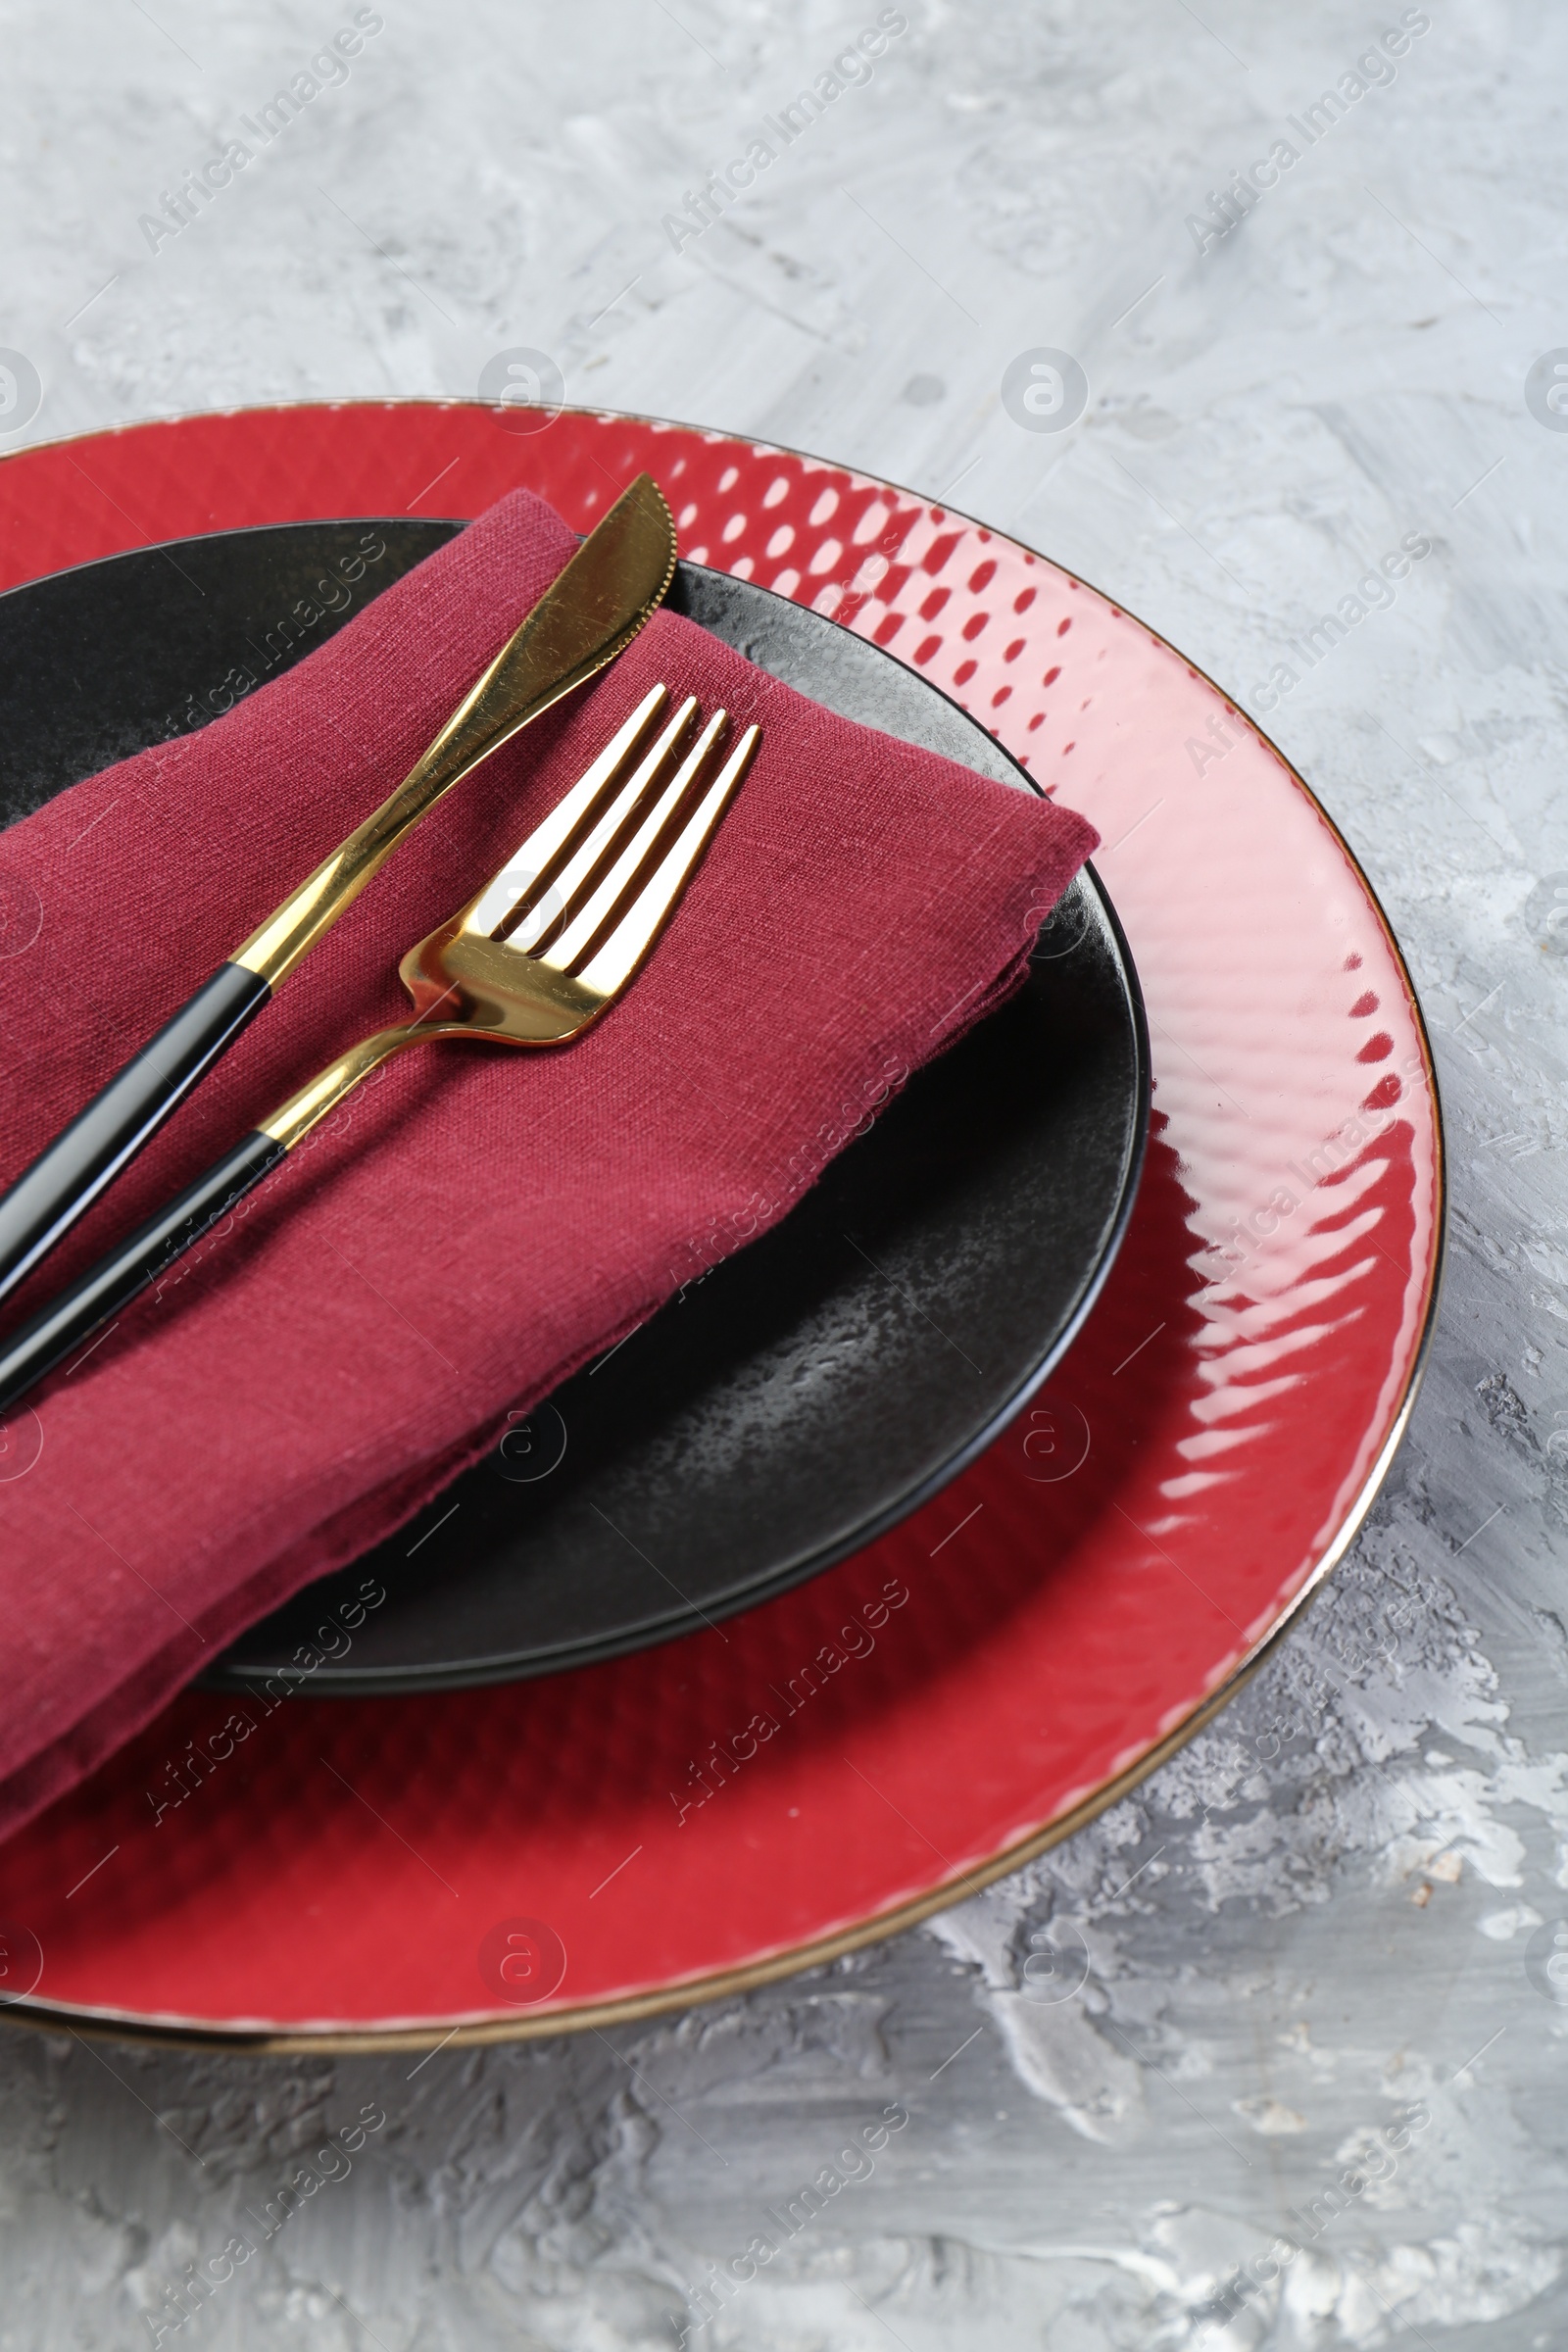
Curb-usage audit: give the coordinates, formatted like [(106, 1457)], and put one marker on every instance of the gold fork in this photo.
[(532, 961)]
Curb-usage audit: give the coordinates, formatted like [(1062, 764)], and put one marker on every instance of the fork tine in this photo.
[(593, 916), (530, 863), (577, 879), (632, 936)]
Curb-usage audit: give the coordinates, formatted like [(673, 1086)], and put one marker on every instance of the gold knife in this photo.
[(587, 616)]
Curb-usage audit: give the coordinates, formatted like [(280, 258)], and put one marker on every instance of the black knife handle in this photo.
[(67, 1177), (127, 1269)]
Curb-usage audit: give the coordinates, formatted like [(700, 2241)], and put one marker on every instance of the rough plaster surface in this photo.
[(1319, 1915)]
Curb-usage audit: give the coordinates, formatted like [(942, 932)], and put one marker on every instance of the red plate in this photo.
[(922, 1718)]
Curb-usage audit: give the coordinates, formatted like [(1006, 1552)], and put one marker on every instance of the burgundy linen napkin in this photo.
[(464, 1233)]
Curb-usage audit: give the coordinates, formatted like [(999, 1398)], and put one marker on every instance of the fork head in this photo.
[(557, 935)]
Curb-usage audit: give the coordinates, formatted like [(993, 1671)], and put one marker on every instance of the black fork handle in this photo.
[(68, 1176), (129, 1267)]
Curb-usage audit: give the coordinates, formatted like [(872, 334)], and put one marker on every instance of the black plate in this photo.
[(814, 1387)]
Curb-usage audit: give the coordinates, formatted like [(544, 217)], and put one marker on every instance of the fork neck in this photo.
[(306, 1110)]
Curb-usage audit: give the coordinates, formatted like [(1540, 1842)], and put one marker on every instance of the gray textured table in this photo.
[(1274, 399)]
